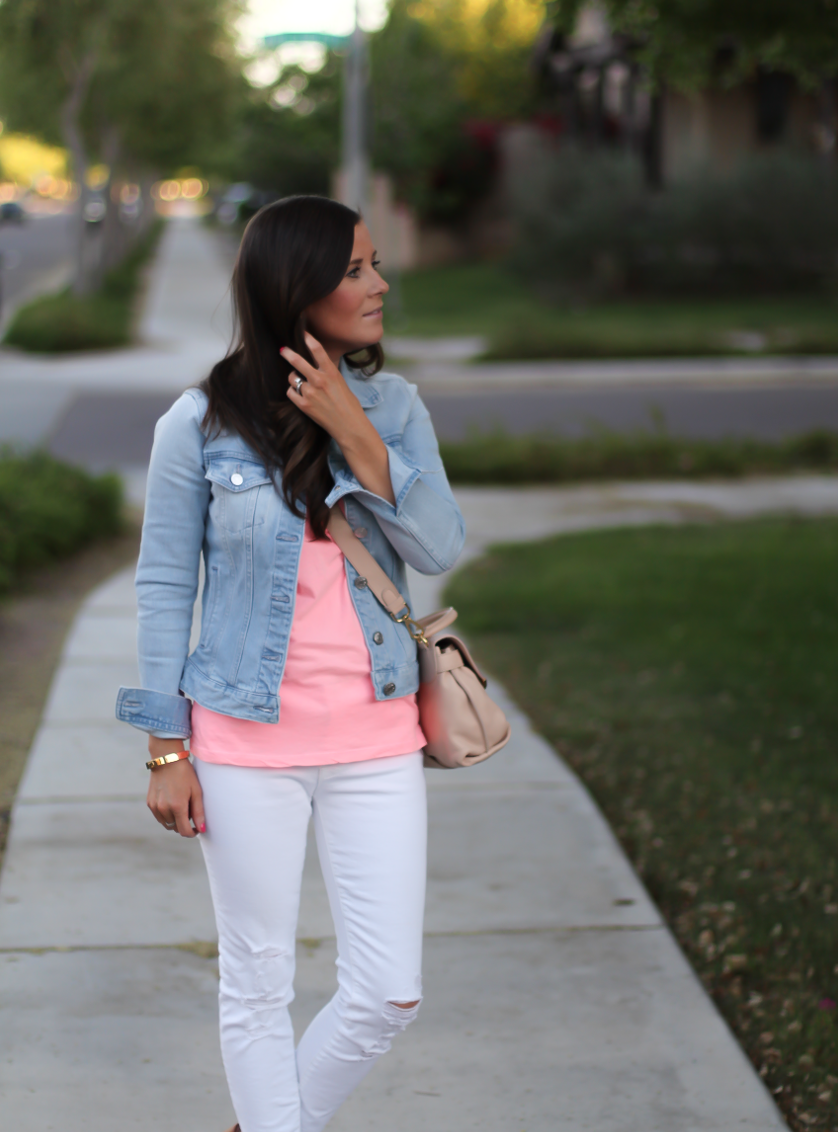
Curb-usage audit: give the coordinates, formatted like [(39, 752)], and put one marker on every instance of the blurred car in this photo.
[(241, 201), (95, 208), (12, 212)]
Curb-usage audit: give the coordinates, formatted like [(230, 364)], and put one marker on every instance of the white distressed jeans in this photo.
[(370, 820)]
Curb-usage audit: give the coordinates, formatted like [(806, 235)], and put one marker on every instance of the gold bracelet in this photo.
[(174, 757)]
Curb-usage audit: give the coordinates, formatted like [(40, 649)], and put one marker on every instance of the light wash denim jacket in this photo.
[(211, 495)]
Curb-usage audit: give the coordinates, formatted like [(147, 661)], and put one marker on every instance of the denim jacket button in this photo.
[(361, 532), (361, 583), (237, 478), (388, 689), (378, 637)]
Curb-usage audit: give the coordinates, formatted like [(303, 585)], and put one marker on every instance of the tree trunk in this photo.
[(653, 155), (74, 142), (147, 214), (114, 236)]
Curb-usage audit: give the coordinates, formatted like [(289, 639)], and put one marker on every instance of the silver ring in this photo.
[(298, 384), (172, 826)]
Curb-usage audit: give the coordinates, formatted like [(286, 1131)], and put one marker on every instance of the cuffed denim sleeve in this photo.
[(177, 498), (425, 527), (162, 715)]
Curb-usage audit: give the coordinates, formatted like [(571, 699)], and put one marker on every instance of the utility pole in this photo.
[(355, 163), (354, 166)]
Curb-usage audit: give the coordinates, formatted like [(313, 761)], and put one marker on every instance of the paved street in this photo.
[(105, 429), (34, 257), (768, 412), (36, 391), (555, 995), (100, 408)]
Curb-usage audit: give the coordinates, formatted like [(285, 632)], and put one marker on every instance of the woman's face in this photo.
[(351, 317)]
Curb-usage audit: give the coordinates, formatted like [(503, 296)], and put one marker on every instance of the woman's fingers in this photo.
[(323, 364), (317, 352), (197, 810), (177, 820), (308, 371), (182, 822), (174, 797), (164, 819)]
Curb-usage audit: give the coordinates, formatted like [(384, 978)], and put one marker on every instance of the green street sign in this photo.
[(333, 42)]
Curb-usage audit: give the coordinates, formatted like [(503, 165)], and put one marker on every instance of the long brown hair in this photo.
[(293, 253)]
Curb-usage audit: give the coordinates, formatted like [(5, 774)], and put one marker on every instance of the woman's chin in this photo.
[(372, 337)]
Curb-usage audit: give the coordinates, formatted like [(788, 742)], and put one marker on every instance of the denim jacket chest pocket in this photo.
[(238, 492)]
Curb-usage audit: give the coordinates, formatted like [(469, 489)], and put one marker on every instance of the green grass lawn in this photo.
[(690, 677), (484, 299)]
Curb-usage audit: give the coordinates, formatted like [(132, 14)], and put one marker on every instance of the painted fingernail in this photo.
[(204, 827)]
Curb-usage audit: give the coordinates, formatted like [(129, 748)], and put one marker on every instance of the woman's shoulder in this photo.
[(191, 405), (182, 426), (388, 379), (189, 408), (187, 413), (383, 386)]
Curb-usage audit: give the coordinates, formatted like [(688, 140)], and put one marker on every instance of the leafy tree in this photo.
[(139, 85), (287, 135), (417, 108), (490, 43), (690, 43), (435, 66), (439, 66), (170, 84)]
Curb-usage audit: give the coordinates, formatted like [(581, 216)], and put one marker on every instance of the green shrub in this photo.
[(64, 322), (586, 223), (497, 458), (48, 510)]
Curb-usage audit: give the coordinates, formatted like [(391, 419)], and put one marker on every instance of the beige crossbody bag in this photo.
[(462, 724)]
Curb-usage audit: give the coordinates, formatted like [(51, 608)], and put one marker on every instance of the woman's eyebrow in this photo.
[(360, 258)]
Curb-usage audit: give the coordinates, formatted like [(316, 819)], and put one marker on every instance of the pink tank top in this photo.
[(328, 712)]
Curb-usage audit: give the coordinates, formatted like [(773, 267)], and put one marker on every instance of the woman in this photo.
[(297, 419)]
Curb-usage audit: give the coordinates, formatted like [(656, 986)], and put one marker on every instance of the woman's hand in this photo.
[(174, 792), (324, 396)]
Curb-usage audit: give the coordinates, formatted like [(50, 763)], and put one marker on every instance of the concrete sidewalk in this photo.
[(454, 378), (555, 996)]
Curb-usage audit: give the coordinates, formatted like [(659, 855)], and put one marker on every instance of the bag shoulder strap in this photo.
[(381, 586)]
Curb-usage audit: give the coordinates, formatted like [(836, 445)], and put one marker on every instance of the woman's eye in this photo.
[(354, 273), (376, 264)]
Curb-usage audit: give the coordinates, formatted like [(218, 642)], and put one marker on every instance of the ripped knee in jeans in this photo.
[(399, 1015), (396, 1016)]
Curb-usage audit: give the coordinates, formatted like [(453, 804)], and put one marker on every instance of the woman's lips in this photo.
[(374, 314)]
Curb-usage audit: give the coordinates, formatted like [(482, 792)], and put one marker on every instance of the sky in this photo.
[(267, 17), (270, 17)]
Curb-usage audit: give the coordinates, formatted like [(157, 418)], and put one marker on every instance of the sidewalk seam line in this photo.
[(310, 941)]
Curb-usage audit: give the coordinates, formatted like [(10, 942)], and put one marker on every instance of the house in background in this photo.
[(600, 93)]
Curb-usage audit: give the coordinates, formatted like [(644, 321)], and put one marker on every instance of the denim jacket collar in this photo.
[(363, 389)]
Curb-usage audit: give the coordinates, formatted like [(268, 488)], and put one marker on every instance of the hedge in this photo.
[(48, 510), (497, 458), (64, 322)]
